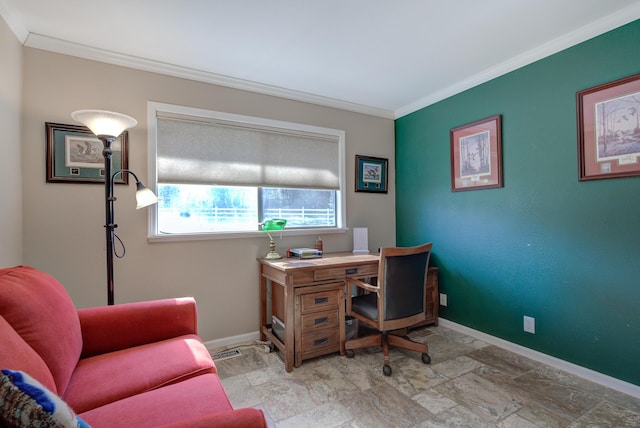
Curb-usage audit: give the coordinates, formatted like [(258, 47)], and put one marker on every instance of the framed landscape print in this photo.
[(476, 155), (371, 174), (609, 130), (74, 155)]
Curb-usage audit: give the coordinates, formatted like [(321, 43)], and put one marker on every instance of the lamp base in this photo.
[(272, 255)]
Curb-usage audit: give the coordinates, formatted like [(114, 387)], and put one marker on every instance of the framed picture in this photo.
[(609, 130), (371, 174), (476, 155), (74, 155)]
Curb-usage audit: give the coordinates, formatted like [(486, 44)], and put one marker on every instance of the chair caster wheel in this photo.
[(349, 353), (426, 358), (386, 369)]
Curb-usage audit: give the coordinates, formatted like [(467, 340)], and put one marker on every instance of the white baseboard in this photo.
[(588, 374), (232, 340)]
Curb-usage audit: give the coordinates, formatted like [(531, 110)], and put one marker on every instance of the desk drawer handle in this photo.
[(319, 300), (322, 341), (320, 320), (351, 271)]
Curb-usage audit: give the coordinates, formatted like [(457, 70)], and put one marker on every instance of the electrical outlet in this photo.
[(530, 324), (443, 299)]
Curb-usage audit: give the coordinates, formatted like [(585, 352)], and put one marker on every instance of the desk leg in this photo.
[(263, 306), (289, 325)]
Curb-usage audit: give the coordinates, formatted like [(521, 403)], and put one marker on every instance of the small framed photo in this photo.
[(74, 155), (371, 174), (609, 130), (476, 155)]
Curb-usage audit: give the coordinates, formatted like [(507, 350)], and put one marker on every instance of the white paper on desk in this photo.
[(360, 240)]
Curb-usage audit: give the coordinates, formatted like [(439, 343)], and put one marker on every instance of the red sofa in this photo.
[(136, 364)]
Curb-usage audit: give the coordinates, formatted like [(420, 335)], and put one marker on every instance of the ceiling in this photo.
[(380, 57)]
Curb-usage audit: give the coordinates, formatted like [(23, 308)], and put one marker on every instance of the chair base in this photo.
[(386, 339)]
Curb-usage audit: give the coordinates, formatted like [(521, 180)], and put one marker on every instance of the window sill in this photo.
[(178, 237)]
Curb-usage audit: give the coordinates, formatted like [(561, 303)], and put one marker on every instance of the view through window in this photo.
[(214, 176)]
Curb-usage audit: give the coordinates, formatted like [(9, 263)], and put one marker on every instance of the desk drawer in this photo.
[(316, 320), (321, 342), (319, 301), (343, 272)]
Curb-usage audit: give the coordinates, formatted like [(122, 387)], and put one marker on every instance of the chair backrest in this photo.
[(402, 278)]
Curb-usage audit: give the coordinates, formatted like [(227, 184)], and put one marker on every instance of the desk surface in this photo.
[(327, 260)]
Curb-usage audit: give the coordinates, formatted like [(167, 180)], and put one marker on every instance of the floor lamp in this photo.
[(108, 126)]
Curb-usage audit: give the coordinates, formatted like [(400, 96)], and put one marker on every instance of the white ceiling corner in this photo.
[(375, 57)]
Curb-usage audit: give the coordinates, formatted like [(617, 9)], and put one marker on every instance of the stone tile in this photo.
[(443, 349), (459, 417), (411, 376), (508, 362), (258, 377), (326, 383), (284, 398), (484, 398), (608, 415), (384, 406), (468, 384), (611, 395), (433, 401), (515, 421), (563, 399), (250, 360), (542, 417), (457, 366), (325, 416), (459, 337), (240, 392)]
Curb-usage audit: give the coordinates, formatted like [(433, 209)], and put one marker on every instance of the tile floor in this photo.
[(468, 384)]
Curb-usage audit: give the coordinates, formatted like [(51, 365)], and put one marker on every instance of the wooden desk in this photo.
[(308, 296)]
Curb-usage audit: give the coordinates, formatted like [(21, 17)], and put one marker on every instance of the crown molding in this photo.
[(39, 41), (601, 26), (9, 16)]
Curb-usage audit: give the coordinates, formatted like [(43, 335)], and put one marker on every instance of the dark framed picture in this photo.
[(609, 130), (371, 174), (74, 155), (476, 155)]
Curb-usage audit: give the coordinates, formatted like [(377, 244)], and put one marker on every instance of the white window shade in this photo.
[(231, 154)]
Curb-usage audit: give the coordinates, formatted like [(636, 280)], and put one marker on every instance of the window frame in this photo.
[(154, 107)]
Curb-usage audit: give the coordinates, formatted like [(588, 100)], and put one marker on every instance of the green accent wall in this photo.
[(545, 245)]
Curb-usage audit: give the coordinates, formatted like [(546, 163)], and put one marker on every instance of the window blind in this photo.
[(215, 152)]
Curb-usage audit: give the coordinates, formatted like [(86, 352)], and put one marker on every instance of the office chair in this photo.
[(396, 302)]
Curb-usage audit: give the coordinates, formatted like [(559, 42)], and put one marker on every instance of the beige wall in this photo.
[(63, 223), (11, 169)]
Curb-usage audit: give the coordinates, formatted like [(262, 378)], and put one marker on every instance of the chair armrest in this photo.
[(112, 328), (363, 285)]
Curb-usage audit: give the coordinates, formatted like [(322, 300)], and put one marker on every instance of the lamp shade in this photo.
[(102, 122), (274, 224), (145, 196)]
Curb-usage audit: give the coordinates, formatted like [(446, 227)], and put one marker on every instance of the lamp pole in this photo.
[(109, 224)]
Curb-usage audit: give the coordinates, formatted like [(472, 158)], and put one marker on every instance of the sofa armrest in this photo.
[(112, 328), (247, 417)]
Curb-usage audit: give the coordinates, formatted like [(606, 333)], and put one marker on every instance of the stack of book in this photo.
[(304, 253)]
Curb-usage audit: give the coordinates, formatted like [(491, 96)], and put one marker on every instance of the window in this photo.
[(218, 173)]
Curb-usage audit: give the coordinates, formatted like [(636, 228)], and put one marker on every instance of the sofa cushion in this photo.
[(42, 313), (26, 402), (18, 355), (116, 375), (193, 398)]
